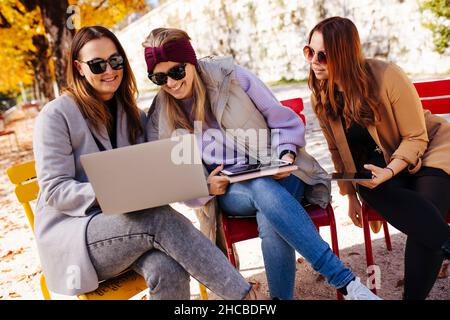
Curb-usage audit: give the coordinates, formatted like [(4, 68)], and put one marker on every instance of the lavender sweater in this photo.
[(291, 130)]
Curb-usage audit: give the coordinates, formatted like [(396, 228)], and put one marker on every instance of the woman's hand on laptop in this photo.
[(217, 184)]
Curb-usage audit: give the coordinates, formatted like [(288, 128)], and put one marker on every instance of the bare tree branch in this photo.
[(30, 5), (100, 4), (15, 7), (3, 22)]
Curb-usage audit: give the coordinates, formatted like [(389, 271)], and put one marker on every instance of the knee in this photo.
[(262, 182), (165, 277), (265, 229), (265, 187), (267, 232), (165, 216), (273, 245), (172, 281)]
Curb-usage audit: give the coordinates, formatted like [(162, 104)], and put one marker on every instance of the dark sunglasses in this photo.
[(98, 65), (177, 72), (309, 55)]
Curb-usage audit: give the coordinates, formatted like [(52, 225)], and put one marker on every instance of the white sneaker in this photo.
[(357, 291)]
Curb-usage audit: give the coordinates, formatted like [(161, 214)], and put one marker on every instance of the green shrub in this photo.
[(441, 30)]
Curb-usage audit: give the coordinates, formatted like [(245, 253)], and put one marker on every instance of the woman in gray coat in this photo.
[(78, 245)]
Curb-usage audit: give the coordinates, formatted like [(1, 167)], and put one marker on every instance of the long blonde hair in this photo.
[(94, 109), (347, 66), (176, 117)]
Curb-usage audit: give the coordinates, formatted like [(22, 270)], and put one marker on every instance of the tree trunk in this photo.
[(35, 90), (42, 73), (54, 15)]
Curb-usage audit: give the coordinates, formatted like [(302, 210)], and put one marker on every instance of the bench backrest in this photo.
[(23, 176), (435, 95), (295, 104)]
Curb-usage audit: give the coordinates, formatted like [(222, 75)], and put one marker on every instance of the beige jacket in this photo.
[(406, 131)]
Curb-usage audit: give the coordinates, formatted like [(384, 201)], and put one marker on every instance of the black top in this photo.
[(112, 108), (364, 149), (362, 146)]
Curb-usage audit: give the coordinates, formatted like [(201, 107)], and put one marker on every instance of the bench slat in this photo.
[(433, 88), (437, 106), (27, 192), (22, 172)]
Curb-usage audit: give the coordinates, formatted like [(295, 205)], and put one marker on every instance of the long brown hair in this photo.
[(176, 117), (91, 106), (348, 67)]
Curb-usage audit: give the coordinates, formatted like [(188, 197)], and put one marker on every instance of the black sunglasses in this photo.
[(309, 55), (98, 65), (177, 72)]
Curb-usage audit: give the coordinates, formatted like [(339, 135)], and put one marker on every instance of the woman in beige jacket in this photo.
[(373, 120)]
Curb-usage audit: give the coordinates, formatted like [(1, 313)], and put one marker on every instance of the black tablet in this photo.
[(247, 168), (351, 176)]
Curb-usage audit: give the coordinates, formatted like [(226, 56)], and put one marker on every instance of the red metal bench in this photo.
[(238, 228), (8, 133)]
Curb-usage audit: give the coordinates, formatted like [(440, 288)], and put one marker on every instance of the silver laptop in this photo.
[(146, 175)]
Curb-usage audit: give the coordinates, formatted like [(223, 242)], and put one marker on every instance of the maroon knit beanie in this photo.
[(179, 50)]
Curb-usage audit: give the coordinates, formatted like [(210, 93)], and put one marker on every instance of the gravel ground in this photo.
[(19, 262)]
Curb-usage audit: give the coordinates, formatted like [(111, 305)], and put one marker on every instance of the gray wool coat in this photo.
[(66, 200)]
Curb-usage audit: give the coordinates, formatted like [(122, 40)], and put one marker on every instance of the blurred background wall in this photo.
[(267, 36)]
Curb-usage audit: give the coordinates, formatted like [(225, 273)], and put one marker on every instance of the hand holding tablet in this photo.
[(253, 171), (248, 168), (351, 176)]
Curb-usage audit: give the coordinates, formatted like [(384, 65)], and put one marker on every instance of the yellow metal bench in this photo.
[(121, 287)]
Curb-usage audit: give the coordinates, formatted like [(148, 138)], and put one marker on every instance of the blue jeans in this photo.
[(284, 227)]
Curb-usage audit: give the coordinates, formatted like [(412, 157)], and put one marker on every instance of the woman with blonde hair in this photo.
[(231, 105), (97, 113), (373, 120)]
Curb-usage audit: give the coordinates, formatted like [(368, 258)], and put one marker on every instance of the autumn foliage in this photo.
[(34, 31)]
